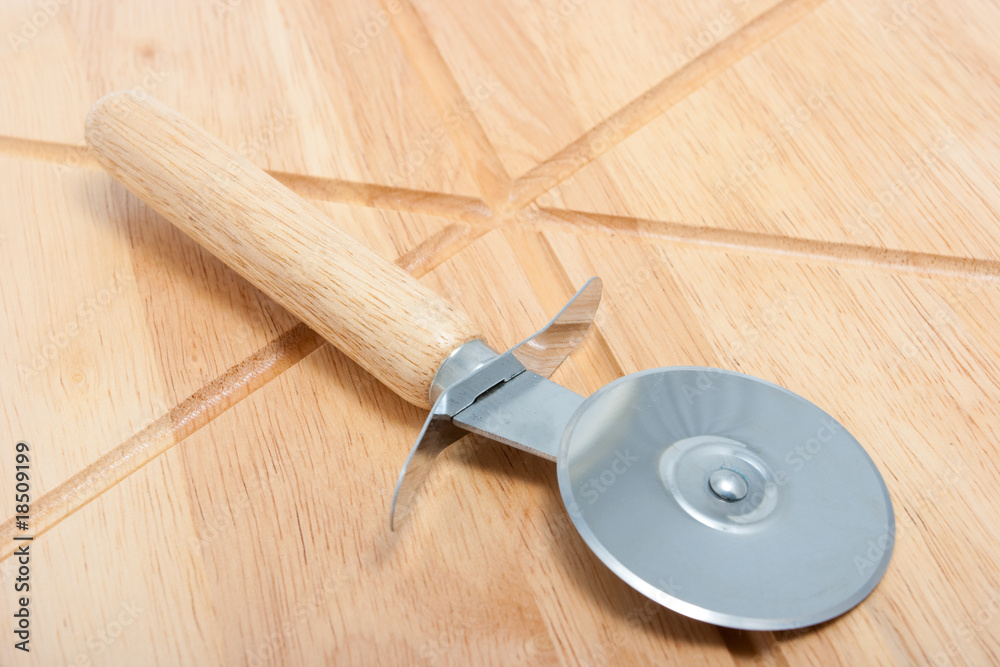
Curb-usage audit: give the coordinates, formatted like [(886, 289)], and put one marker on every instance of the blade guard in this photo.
[(472, 370)]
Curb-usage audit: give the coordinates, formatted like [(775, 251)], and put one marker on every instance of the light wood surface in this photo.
[(803, 191)]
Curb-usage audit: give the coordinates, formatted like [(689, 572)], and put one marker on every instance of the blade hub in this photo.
[(719, 481), (728, 485)]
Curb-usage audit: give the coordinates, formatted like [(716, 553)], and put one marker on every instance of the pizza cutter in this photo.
[(719, 495)]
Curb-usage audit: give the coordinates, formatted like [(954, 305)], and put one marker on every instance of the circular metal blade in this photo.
[(726, 498)]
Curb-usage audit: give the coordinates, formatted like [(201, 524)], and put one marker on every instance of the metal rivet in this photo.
[(728, 485)]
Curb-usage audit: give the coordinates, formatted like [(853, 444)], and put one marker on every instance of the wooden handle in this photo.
[(377, 314)]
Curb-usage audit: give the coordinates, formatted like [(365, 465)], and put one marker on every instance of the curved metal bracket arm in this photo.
[(473, 371), (543, 352)]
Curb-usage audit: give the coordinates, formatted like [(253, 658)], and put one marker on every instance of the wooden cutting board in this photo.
[(800, 190)]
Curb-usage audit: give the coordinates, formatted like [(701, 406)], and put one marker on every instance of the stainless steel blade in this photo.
[(726, 498)]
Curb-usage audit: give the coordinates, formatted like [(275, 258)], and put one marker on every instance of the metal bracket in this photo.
[(473, 370)]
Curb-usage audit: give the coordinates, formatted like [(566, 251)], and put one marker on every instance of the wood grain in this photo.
[(816, 205), (178, 423)]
